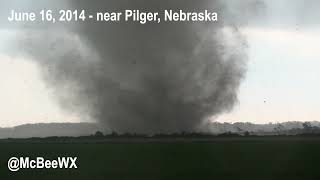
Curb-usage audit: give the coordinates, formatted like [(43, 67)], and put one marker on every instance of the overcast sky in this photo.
[(282, 82)]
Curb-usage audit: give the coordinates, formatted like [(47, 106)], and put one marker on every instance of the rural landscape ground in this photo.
[(216, 158)]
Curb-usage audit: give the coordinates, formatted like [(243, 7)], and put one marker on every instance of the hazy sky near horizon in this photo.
[(281, 83)]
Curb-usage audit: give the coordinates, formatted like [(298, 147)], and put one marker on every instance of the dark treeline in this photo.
[(307, 130)]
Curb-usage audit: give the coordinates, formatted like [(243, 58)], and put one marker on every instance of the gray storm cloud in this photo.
[(167, 77)]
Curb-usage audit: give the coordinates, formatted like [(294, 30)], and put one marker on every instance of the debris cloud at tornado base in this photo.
[(152, 78)]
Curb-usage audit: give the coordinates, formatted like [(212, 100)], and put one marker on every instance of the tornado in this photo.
[(143, 78)]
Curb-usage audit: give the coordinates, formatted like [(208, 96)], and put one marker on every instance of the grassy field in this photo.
[(222, 159)]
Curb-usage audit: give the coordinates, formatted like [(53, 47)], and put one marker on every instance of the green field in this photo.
[(223, 159)]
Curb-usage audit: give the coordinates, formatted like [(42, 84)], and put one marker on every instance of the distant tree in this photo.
[(307, 127), (246, 133), (279, 128), (229, 134), (114, 134), (98, 134), (239, 129)]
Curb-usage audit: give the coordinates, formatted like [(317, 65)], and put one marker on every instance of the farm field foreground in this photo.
[(240, 158)]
